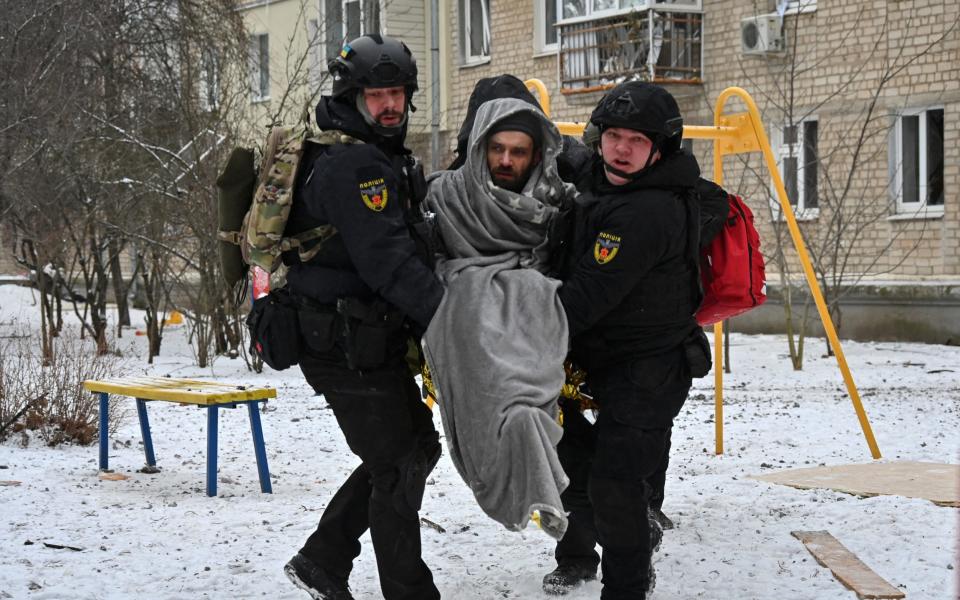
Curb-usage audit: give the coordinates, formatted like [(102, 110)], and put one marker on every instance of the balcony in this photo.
[(650, 45)]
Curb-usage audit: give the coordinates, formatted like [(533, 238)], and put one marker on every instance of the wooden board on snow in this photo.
[(845, 566), (937, 482)]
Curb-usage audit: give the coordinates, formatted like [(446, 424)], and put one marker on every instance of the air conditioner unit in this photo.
[(762, 34)]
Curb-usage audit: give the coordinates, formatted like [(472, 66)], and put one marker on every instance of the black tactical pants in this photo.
[(389, 427), (611, 466)]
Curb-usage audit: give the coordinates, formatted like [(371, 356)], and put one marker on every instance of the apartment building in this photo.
[(291, 42), (861, 101)]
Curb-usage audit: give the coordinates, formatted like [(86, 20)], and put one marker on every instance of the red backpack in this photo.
[(731, 268)]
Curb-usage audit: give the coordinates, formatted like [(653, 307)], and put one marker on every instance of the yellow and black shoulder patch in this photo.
[(606, 247), (374, 194)]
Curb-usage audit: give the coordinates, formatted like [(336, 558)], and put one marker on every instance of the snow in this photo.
[(159, 536)]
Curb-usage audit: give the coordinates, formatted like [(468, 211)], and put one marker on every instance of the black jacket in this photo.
[(631, 287), (361, 189)]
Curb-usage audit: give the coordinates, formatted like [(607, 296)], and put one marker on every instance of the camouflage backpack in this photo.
[(254, 204)]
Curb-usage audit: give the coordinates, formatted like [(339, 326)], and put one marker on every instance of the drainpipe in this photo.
[(435, 85)]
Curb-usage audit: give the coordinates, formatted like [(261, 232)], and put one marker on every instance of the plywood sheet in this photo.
[(845, 565), (937, 482)]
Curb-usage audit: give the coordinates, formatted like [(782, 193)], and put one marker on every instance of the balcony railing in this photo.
[(648, 45)]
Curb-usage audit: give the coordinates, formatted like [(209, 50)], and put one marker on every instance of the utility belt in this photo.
[(284, 325)]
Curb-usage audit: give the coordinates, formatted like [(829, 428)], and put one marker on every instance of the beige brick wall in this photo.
[(838, 55)]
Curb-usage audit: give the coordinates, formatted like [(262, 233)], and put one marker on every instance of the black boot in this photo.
[(566, 578), (313, 579)]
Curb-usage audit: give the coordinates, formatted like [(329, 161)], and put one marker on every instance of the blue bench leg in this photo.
[(145, 432), (212, 450), (104, 410), (258, 447)]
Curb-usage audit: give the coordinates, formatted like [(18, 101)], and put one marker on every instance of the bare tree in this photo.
[(842, 207)]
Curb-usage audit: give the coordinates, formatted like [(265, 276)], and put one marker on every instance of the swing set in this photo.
[(740, 133)]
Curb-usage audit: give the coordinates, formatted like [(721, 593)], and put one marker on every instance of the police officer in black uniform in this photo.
[(361, 297), (630, 295)]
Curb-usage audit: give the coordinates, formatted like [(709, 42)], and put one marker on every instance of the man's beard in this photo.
[(514, 184)]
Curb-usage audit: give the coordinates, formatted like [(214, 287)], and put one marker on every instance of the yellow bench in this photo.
[(209, 394)]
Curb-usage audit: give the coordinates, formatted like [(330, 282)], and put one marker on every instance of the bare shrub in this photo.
[(49, 401)]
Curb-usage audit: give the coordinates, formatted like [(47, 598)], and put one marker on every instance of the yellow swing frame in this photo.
[(739, 133)]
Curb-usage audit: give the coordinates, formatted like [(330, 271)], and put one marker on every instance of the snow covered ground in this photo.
[(159, 536)]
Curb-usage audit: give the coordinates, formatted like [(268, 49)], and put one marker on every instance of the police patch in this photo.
[(606, 247), (374, 194)]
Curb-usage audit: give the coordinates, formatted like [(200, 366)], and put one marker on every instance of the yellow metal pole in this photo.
[(537, 86), (715, 134), (718, 384), (761, 138)]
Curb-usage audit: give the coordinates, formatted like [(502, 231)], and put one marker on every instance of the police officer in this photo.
[(361, 297), (630, 295), (576, 446)]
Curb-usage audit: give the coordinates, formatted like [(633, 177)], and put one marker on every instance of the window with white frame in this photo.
[(799, 160), (475, 30), (345, 20), (260, 66), (209, 85), (917, 161), (792, 7), (545, 25)]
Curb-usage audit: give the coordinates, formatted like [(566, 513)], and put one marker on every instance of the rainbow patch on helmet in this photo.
[(606, 247)]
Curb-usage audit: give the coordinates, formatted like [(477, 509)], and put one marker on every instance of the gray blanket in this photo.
[(496, 345)]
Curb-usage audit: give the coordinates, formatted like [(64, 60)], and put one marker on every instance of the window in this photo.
[(792, 7), (545, 21), (348, 19), (209, 86), (799, 162), (662, 44), (917, 165), (315, 44), (260, 66), (475, 30)]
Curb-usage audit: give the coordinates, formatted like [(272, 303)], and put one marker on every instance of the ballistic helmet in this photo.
[(643, 107), (373, 61)]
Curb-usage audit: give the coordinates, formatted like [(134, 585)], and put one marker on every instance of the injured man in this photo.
[(495, 347)]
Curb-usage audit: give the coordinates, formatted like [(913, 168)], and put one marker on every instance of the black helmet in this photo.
[(643, 107), (373, 61)]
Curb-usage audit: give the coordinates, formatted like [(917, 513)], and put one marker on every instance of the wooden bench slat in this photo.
[(184, 391), (845, 566)]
